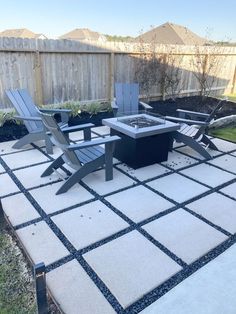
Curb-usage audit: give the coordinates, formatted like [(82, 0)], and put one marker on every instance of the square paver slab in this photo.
[(102, 130), (185, 235), (177, 161), (177, 187), (50, 202), (18, 209), (41, 243), (24, 158), (88, 224), (144, 173), (7, 185), (2, 169), (74, 291), (217, 208), (224, 146), (209, 175), (139, 203), (230, 190), (96, 181), (226, 162), (192, 153), (6, 147), (31, 177), (131, 266)]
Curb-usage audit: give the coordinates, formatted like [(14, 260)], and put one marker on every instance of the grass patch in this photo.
[(231, 97), (16, 283), (227, 133)]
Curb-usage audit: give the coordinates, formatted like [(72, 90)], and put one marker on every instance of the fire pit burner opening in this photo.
[(140, 122)]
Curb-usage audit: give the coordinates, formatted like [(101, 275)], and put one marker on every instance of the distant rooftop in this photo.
[(22, 33), (83, 34), (170, 33)]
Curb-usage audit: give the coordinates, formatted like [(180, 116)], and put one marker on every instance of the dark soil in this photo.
[(193, 103), (11, 131)]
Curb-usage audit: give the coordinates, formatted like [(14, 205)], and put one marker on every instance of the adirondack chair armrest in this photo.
[(187, 121), (193, 114), (28, 118), (113, 104), (64, 113), (94, 142), (75, 128), (145, 106), (55, 110)]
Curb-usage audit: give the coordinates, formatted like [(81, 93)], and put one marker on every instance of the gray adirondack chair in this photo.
[(193, 132), (127, 99), (84, 157), (28, 112)]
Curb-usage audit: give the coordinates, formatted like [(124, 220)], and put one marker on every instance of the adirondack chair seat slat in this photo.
[(84, 158)]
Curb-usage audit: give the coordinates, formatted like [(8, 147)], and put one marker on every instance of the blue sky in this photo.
[(120, 17)]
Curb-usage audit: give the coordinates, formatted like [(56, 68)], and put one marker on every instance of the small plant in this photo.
[(7, 116)]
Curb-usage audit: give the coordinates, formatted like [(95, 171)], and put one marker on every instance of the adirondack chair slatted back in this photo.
[(209, 118), (59, 139), (127, 97), (25, 107)]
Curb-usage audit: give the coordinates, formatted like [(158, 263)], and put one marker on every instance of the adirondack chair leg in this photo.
[(192, 143), (80, 174), (87, 134), (54, 165), (208, 142), (109, 148), (48, 143), (28, 139)]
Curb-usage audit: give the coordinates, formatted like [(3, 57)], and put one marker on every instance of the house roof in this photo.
[(20, 32), (170, 33), (82, 34)]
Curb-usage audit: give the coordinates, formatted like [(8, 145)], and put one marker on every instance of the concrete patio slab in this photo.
[(234, 153), (206, 292), (101, 130), (177, 161), (2, 169), (24, 158), (96, 181), (73, 290), (6, 147), (88, 224), (144, 173), (177, 187), (226, 162), (209, 175), (29, 181), (185, 235), (50, 202), (139, 203), (130, 266), (79, 136), (18, 209), (192, 153), (41, 243), (218, 209), (230, 190), (7, 185), (224, 146)]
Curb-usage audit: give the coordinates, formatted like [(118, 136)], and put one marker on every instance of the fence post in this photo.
[(38, 78), (111, 76), (233, 89), (40, 285)]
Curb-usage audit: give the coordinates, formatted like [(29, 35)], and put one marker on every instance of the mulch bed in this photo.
[(11, 131)]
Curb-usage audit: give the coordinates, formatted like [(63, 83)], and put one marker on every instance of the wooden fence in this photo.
[(59, 70)]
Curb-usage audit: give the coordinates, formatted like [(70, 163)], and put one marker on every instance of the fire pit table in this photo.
[(145, 139)]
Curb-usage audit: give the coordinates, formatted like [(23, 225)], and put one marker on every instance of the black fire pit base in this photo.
[(142, 152)]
